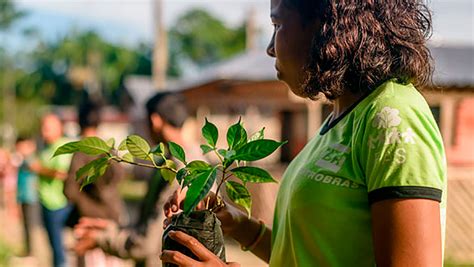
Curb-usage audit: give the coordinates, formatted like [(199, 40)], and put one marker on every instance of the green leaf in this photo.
[(239, 195), (226, 154), (93, 146), (206, 149), (138, 147), (257, 149), (253, 175), (128, 157), (68, 148), (159, 149), (167, 174), (198, 166), (177, 151), (222, 152), (111, 143), (210, 133), (84, 170), (97, 170), (123, 145), (181, 175), (198, 189), (258, 135), (236, 136), (188, 179)]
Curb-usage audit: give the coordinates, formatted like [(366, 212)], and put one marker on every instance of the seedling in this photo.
[(197, 176)]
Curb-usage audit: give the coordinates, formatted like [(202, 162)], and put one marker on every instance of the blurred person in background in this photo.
[(7, 184), (52, 173), (26, 186), (142, 242), (97, 200)]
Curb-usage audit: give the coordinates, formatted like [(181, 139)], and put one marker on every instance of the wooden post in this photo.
[(160, 49)]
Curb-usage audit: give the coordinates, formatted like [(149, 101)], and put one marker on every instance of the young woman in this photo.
[(369, 188)]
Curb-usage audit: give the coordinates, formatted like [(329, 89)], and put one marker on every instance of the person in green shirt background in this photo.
[(369, 189), (52, 172)]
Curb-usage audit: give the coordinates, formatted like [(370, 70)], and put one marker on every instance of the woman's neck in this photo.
[(343, 103)]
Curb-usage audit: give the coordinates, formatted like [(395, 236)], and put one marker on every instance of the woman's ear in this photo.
[(156, 122)]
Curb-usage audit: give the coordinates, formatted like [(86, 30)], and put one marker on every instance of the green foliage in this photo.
[(92, 171), (68, 148), (167, 172), (257, 149), (252, 174), (199, 187), (138, 147), (210, 133), (239, 195), (203, 39), (177, 151), (236, 136), (9, 14), (206, 149), (258, 135), (197, 175), (93, 146)]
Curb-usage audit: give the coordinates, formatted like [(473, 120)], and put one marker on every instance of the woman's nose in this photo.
[(271, 47)]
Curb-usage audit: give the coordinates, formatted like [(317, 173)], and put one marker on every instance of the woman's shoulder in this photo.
[(395, 97)]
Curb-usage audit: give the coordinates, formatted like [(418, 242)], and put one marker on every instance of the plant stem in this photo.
[(219, 156), (221, 182), (143, 164)]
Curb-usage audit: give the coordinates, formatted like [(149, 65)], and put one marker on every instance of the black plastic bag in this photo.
[(203, 225)]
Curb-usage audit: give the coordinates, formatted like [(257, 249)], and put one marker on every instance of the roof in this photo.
[(454, 65), (249, 66)]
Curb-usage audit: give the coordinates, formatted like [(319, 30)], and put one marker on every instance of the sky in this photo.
[(129, 22)]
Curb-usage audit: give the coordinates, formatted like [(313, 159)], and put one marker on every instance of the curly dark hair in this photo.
[(363, 43)]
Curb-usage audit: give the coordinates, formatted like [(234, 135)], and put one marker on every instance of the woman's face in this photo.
[(290, 45)]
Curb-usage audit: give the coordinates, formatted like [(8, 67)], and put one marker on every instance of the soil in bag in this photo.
[(203, 225)]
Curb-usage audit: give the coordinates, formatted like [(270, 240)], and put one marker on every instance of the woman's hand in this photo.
[(231, 217), (206, 257)]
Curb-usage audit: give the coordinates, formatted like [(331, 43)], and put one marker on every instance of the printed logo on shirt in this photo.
[(387, 123), (329, 179), (334, 157)]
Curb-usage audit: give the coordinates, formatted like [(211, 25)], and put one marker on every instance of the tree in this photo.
[(201, 38), (62, 68), (8, 14)]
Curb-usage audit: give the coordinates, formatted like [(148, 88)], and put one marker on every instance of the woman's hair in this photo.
[(363, 43)]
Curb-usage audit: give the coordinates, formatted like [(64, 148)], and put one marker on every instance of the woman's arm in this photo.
[(247, 232), (407, 232)]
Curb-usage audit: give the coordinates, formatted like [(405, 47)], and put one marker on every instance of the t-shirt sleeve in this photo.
[(402, 153)]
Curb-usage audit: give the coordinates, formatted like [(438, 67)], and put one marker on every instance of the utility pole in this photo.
[(251, 30), (160, 48)]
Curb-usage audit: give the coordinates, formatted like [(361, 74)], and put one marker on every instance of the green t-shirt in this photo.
[(386, 146), (51, 190)]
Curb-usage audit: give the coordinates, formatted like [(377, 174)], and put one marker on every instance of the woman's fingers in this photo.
[(174, 203), (177, 258), (193, 244)]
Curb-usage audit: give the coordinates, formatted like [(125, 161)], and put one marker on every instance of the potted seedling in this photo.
[(197, 177)]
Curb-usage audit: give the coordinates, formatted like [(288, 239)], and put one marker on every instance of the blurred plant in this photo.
[(197, 176), (9, 14), (201, 38)]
